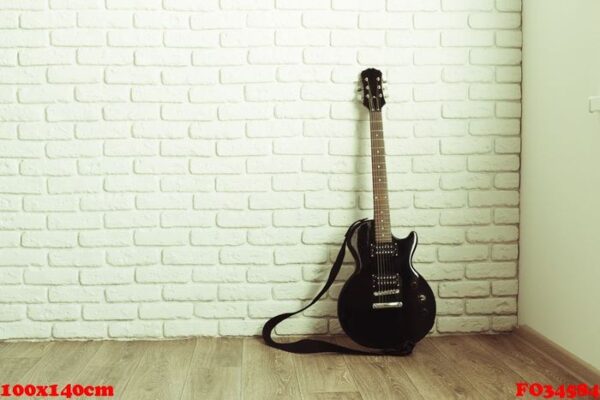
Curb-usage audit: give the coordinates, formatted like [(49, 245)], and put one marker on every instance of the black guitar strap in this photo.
[(319, 346)]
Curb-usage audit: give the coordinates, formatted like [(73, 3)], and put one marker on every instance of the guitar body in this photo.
[(393, 325)]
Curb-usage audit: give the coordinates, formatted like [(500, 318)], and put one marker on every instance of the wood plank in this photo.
[(215, 370), (434, 375), (162, 371), (23, 349), (575, 365), (13, 369), (379, 377), (267, 373), (528, 363), (492, 378), (333, 396), (61, 363), (323, 373), (113, 364)]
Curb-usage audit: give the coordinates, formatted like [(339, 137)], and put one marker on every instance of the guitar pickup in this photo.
[(384, 249), (393, 304), (387, 292)]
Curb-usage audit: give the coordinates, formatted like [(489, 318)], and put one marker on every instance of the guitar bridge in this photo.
[(393, 304)]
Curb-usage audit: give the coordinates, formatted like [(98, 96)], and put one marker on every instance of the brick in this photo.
[(114, 312), (163, 275), (299, 255), (463, 324), (190, 328), (463, 253), (136, 293), (132, 256), (189, 292), (106, 276), (464, 289), (491, 270), (135, 329), (505, 288), (166, 311)]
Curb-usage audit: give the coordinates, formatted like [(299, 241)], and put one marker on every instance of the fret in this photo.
[(381, 207)]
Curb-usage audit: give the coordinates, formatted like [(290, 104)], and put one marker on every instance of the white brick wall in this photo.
[(186, 167)]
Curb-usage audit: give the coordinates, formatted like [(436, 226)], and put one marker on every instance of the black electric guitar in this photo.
[(385, 304)]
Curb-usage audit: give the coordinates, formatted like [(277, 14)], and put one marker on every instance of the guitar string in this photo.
[(377, 258), (386, 277), (386, 267)]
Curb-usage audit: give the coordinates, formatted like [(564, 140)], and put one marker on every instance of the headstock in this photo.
[(371, 85)]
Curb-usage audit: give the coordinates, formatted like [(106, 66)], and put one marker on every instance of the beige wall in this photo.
[(560, 190)]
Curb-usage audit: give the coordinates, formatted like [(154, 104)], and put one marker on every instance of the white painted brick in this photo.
[(465, 217), (413, 5), (128, 75), (39, 20), (160, 237), (467, 74), (115, 312), (190, 292), (25, 330), (76, 258), (137, 293), (245, 255), (495, 56), (509, 39), (495, 92), (101, 19), (508, 5), (219, 201), (131, 256), (240, 327), (504, 323), (49, 239), (190, 328), (506, 216), (505, 252), (109, 238), (11, 313), (160, 20), (163, 275), (412, 39), (463, 253), (495, 127), (106, 276), (300, 255), (243, 184), (135, 329), (508, 109), (247, 38), (228, 292), (495, 21), (75, 294), (494, 198), (464, 289), (440, 200), (505, 288), (493, 163), (79, 330), (23, 294), (227, 274), (463, 324), (491, 270), (197, 256)]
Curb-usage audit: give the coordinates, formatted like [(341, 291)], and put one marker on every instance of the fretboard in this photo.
[(383, 232)]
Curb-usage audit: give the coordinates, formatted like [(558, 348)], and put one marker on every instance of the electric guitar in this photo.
[(385, 303)]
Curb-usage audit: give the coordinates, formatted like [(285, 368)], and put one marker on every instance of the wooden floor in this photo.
[(451, 367)]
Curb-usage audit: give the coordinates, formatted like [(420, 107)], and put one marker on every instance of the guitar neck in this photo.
[(381, 205)]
